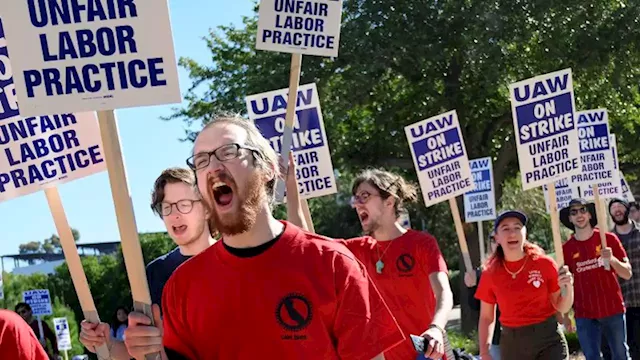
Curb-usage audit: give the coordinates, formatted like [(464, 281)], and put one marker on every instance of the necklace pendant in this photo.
[(379, 266), (513, 276)]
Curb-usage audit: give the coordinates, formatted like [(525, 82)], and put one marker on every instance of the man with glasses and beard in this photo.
[(598, 305), (628, 231), (268, 289), (406, 265)]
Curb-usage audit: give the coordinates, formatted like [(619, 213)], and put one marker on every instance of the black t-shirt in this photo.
[(159, 271)]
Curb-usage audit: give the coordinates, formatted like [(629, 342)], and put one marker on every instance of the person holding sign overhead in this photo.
[(526, 284), (599, 306), (268, 287), (406, 265)]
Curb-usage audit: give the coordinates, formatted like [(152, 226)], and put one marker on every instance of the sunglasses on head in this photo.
[(582, 210)]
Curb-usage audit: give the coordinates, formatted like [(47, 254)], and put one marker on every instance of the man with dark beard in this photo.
[(628, 231), (268, 288), (406, 265)]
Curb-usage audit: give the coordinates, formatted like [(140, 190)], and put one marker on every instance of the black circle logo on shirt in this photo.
[(405, 263), (294, 312)]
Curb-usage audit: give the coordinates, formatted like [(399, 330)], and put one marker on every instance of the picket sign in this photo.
[(131, 249), (287, 136), (72, 258), (56, 74), (441, 162), (547, 140)]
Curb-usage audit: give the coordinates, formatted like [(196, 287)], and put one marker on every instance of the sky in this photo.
[(148, 143)]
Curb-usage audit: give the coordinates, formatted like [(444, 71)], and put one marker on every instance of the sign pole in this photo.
[(66, 355), (287, 135), (41, 330), (481, 241), (602, 222), (131, 250), (555, 224), (72, 258), (464, 249)]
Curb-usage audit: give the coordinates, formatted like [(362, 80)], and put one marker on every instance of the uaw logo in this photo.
[(294, 313), (405, 264)]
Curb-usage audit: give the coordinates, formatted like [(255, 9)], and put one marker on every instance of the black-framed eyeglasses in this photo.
[(361, 199), (224, 153), (183, 206), (574, 212)]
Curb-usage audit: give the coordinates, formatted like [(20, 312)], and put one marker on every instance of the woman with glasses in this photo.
[(526, 285), (406, 265)]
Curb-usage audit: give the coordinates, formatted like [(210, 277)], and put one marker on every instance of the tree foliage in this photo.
[(49, 245), (406, 61), (107, 278)]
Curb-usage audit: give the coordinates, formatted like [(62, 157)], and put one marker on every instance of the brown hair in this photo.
[(387, 184), (264, 158), (172, 175)]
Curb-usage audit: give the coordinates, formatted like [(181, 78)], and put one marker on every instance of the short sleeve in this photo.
[(431, 253), (364, 326), (616, 246), (176, 336), (485, 289), (17, 340), (551, 275)]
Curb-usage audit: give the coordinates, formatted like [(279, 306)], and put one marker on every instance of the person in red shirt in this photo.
[(599, 306), (526, 285), (268, 289), (406, 265), (17, 339)]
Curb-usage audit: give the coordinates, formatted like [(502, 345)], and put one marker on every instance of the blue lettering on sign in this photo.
[(591, 117), (541, 88), (299, 23), (479, 164), (279, 102), (57, 12), (82, 43), (307, 133), (593, 138), (8, 99), (429, 127), (435, 150), (545, 118)]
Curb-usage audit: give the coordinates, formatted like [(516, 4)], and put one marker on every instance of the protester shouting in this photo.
[(599, 306), (406, 265), (526, 285), (268, 287)]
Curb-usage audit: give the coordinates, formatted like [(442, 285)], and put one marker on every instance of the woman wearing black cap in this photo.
[(526, 285)]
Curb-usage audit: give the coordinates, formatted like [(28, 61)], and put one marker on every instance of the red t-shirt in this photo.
[(524, 300), (404, 282), (17, 340), (597, 292), (305, 297)]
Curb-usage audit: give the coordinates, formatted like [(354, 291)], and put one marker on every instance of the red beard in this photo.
[(247, 204)]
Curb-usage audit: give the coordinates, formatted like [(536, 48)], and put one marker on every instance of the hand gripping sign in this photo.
[(96, 55), (310, 27), (41, 153), (440, 158), (543, 110)]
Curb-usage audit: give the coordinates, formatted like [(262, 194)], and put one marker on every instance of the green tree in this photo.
[(49, 245), (400, 64)]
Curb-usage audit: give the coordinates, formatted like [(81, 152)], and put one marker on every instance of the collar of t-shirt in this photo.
[(634, 228), (252, 251)]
